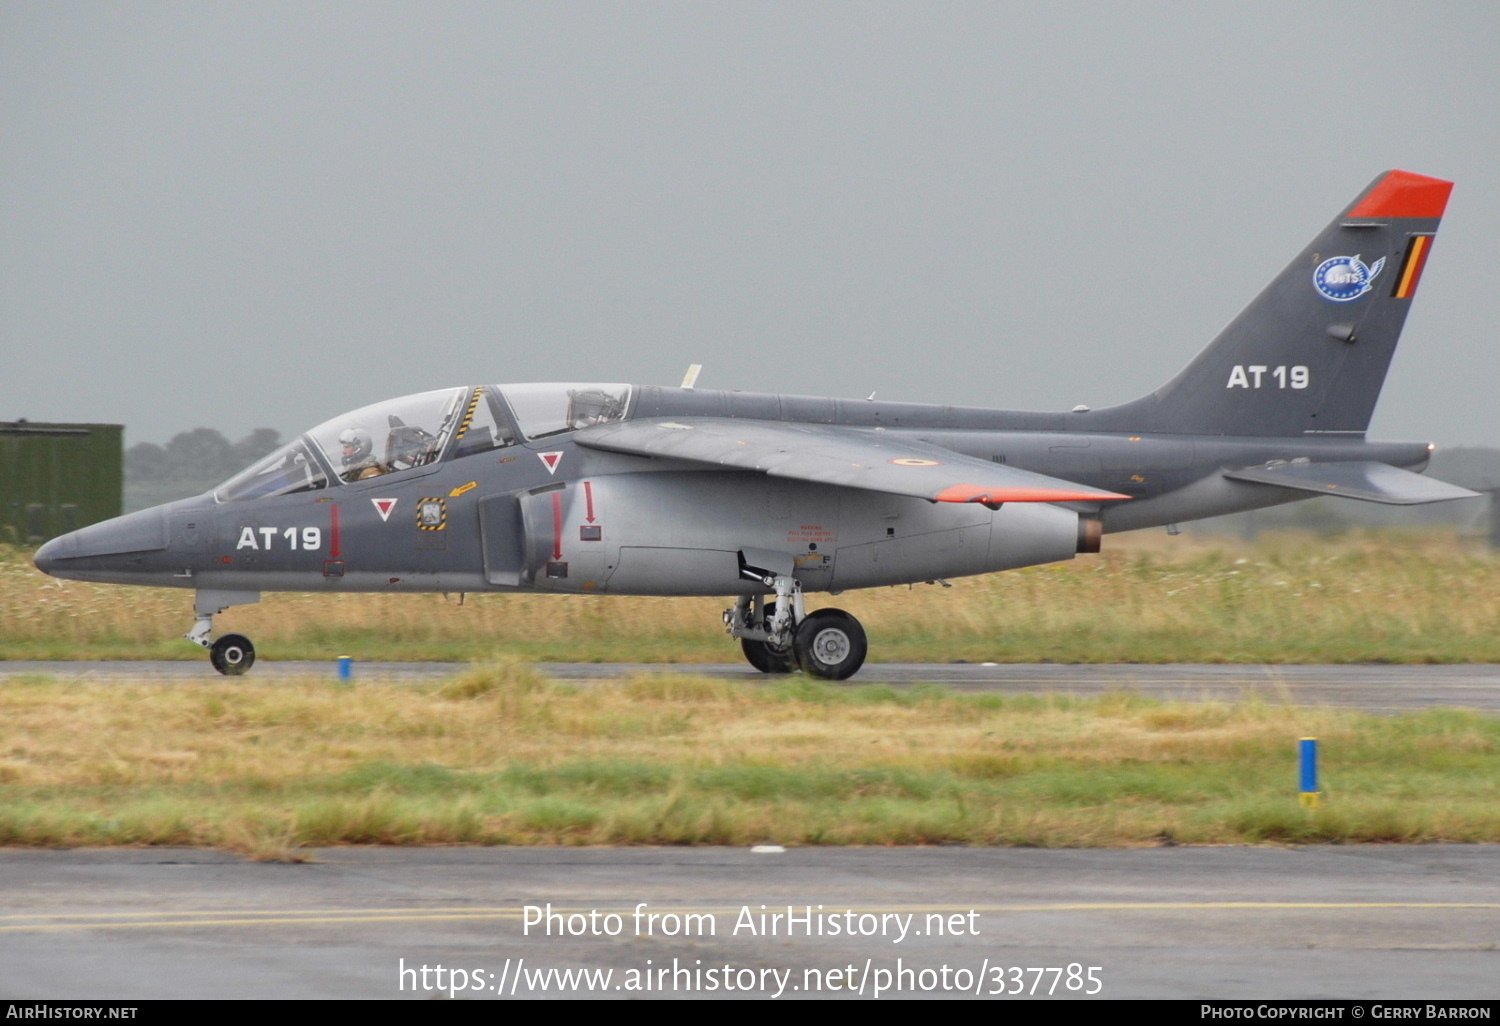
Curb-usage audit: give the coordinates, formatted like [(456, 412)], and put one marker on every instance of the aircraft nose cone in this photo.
[(46, 556), (98, 546)]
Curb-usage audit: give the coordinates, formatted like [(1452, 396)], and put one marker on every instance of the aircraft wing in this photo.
[(854, 458), (1370, 481)]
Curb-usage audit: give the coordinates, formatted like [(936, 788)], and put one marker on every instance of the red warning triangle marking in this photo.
[(384, 507), (550, 460)]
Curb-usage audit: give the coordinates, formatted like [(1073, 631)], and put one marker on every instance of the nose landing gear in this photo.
[(232, 654)]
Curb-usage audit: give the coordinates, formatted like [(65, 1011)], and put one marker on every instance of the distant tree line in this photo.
[(199, 455)]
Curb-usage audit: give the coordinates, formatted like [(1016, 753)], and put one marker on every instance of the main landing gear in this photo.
[(779, 637), (231, 654)]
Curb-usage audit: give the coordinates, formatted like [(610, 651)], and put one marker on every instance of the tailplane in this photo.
[(1310, 354)]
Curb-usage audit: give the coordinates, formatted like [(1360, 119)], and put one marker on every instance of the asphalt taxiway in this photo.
[(1254, 923), (1373, 687)]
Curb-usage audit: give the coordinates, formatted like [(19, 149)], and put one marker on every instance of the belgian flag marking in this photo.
[(1417, 249)]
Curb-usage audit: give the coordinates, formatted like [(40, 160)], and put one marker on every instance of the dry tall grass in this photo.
[(503, 756), (1391, 596)]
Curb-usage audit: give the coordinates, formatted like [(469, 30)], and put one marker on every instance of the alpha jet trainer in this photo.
[(644, 490)]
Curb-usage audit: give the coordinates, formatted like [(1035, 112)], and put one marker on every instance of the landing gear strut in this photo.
[(767, 656), (779, 636), (232, 654)]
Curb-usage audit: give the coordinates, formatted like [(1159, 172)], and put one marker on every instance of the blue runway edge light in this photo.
[(1309, 759), (346, 668)]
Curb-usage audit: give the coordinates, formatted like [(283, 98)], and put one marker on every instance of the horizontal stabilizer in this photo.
[(825, 454), (1370, 481)]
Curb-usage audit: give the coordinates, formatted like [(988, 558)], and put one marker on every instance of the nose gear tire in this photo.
[(232, 654), (830, 644)]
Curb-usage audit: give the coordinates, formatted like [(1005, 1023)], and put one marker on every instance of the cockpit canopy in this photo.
[(401, 435)]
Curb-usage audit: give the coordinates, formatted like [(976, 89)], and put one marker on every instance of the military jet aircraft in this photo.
[(645, 490)]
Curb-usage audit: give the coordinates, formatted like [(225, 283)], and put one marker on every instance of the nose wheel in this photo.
[(232, 654)]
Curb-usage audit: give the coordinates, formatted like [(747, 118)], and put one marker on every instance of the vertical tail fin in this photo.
[(1310, 354)]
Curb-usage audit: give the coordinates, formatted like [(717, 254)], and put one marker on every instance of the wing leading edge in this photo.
[(872, 460)]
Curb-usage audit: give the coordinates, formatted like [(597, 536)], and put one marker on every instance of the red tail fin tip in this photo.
[(1404, 194)]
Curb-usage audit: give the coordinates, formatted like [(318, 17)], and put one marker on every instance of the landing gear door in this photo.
[(503, 536)]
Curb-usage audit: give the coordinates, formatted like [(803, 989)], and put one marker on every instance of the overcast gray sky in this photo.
[(262, 214)]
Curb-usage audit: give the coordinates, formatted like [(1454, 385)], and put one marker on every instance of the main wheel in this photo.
[(830, 644), (232, 654), (766, 657)]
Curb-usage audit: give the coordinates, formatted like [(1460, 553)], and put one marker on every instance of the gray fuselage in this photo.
[(588, 521)]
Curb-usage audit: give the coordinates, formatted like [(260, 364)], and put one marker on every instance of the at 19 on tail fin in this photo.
[(1309, 355)]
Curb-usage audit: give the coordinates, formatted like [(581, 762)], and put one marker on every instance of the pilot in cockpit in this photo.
[(358, 455)]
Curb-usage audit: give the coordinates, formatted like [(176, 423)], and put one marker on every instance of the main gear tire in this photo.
[(232, 654), (830, 644), (766, 657)]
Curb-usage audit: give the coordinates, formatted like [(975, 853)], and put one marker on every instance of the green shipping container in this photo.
[(56, 478)]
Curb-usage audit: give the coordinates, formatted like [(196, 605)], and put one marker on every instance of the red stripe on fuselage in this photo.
[(334, 541), (557, 525)]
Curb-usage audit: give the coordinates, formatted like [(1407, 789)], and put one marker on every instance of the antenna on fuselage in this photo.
[(690, 379)]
